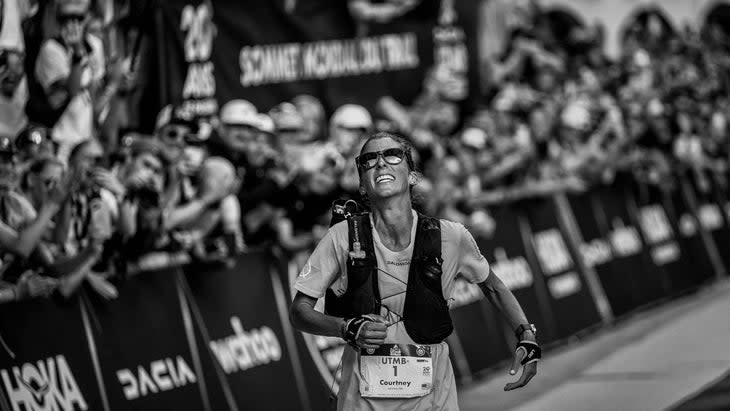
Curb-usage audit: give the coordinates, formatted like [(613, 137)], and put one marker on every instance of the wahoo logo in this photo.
[(163, 375), (46, 385), (246, 349)]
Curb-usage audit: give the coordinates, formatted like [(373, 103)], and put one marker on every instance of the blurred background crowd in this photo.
[(86, 198)]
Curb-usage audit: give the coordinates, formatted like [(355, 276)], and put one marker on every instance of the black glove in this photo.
[(352, 329), (532, 350)]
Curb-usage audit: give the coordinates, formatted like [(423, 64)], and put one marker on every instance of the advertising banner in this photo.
[(45, 363), (659, 230), (507, 255), (143, 346), (597, 252), (630, 254), (712, 211), (270, 51), (481, 332), (245, 337), (319, 356), (690, 236), (568, 293)]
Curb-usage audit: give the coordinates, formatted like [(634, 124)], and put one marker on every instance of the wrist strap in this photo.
[(532, 350), (352, 329)]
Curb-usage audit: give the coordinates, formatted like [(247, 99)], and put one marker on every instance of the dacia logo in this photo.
[(46, 385), (163, 375)]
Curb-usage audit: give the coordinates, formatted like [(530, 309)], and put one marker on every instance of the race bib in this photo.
[(396, 371)]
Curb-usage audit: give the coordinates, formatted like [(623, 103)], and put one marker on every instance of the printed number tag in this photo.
[(396, 371)]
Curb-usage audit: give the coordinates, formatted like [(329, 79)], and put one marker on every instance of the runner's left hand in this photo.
[(528, 371)]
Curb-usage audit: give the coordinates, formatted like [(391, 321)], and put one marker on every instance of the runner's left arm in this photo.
[(502, 298)]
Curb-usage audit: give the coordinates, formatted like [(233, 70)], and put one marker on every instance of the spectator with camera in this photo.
[(72, 71), (22, 230), (189, 207), (251, 143)]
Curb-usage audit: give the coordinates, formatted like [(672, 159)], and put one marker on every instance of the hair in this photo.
[(407, 147), (79, 147), (37, 166)]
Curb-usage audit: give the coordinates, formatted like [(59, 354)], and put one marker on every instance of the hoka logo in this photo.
[(47, 385)]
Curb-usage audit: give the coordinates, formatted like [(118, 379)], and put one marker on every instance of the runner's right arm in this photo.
[(319, 273)]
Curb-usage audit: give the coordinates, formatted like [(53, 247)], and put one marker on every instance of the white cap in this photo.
[(287, 116), (239, 112), (352, 116), (576, 115), (265, 123), (474, 137)]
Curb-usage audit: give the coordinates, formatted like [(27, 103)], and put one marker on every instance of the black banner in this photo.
[(630, 254), (244, 332), (712, 212), (505, 250), (270, 51), (45, 363), (659, 230), (568, 293), (597, 252), (143, 346), (690, 236), (481, 332)]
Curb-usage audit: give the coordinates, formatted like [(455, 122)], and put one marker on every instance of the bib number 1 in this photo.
[(396, 371)]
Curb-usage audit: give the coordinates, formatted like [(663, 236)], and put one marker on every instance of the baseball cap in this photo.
[(474, 137), (287, 117), (576, 116), (169, 116), (74, 6), (265, 123), (239, 112), (352, 116)]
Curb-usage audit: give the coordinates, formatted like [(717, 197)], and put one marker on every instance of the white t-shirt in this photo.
[(11, 32), (77, 121), (12, 111), (326, 268)]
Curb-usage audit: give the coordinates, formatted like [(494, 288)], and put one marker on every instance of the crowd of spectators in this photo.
[(84, 200)]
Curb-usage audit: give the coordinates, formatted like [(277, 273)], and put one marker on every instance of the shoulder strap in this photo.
[(427, 247), (360, 236)]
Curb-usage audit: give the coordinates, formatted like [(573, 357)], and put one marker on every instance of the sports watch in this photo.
[(524, 327)]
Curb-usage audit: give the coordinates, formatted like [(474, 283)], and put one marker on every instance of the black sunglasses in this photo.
[(63, 18), (392, 156)]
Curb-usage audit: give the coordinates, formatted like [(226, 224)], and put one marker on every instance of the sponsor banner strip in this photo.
[(198, 318), (281, 305), (190, 333), (92, 349)]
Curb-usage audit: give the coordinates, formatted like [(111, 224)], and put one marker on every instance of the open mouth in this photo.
[(385, 178)]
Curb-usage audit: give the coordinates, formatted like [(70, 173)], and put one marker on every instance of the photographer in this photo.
[(21, 233), (88, 221)]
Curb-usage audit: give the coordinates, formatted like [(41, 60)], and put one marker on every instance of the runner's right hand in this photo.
[(373, 333)]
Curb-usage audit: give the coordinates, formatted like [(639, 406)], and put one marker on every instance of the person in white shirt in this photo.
[(409, 319), (71, 70)]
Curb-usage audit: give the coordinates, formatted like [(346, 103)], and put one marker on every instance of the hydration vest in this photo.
[(425, 313)]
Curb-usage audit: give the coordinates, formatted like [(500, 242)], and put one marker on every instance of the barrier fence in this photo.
[(198, 338)]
